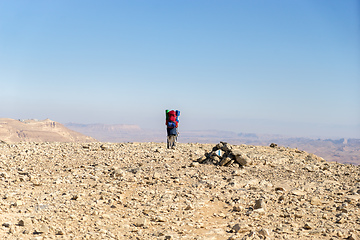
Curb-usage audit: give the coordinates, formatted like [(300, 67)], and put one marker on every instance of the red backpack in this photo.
[(172, 116), (171, 119)]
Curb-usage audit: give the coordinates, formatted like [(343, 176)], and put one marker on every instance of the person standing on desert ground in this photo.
[(172, 123)]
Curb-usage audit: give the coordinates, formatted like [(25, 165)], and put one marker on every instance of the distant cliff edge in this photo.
[(32, 130)]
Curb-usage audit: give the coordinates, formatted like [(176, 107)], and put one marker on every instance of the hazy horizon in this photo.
[(272, 128), (276, 67)]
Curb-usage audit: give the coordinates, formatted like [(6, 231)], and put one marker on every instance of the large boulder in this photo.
[(241, 158)]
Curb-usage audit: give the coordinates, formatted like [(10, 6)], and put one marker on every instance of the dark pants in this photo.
[(171, 137), (171, 131)]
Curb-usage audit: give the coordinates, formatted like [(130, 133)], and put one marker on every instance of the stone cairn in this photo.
[(223, 155)]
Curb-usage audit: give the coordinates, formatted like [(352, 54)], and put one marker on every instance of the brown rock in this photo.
[(225, 161), (309, 226), (240, 228), (315, 201), (141, 222), (259, 203), (241, 158), (25, 222), (264, 232)]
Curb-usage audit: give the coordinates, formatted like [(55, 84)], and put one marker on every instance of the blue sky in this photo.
[(287, 67)]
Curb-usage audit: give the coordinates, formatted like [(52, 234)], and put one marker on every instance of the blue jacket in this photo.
[(171, 131)]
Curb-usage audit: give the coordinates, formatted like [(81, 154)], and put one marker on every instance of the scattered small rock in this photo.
[(144, 191), (273, 145)]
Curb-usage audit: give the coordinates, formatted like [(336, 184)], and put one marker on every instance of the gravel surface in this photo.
[(145, 191)]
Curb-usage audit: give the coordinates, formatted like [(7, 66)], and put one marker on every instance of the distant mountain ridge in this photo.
[(32, 130), (104, 127)]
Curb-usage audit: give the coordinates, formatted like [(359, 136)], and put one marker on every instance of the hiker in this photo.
[(172, 122)]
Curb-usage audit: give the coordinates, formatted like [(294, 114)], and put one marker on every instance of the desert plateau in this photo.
[(197, 191)]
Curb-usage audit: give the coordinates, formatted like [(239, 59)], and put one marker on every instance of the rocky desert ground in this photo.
[(197, 191)]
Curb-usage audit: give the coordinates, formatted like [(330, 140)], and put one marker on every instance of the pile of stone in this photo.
[(223, 154)]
